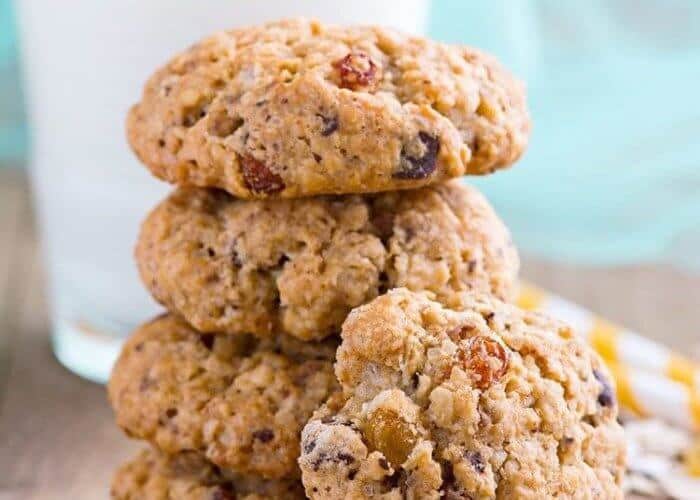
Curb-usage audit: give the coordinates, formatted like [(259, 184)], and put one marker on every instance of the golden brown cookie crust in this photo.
[(296, 108), (155, 476), (299, 266), (478, 401), (238, 401)]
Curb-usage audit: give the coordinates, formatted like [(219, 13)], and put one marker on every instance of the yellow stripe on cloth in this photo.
[(530, 298), (603, 337), (694, 398), (625, 393), (681, 370)]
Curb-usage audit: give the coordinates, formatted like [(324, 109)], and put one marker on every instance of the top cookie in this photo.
[(296, 108)]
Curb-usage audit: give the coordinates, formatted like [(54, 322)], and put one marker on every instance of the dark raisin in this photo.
[(171, 412), (317, 157), (357, 71), (264, 435), (412, 166), (606, 398), (309, 447), (476, 461), (211, 252), (208, 340), (329, 125), (352, 474), (319, 460), (471, 266), (346, 457), (258, 177)]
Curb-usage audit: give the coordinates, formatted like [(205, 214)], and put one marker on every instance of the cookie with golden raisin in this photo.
[(481, 400)]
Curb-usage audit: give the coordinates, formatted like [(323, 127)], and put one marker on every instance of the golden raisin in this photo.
[(485, 359), (388, 433), (357, 71)]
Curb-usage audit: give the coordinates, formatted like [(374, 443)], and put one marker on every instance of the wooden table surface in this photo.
[(57, 437)]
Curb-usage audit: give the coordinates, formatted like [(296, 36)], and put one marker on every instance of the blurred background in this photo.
[(605, 205)]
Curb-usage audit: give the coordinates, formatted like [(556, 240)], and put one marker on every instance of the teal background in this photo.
[(13, 136), (612, 175)]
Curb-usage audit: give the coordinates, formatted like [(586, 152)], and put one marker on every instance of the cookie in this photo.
[(299, 266), (297, 108), (237, 401), (478, 401), (155, 476)]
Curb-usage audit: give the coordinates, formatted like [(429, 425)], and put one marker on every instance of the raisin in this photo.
[(309, 447), (357, 71), (171, 412), (258, 177), (418, 159), (485, 359), (346, 458), (476, 461), (264, 435), (606, 398), (390, 434), (330, 124)]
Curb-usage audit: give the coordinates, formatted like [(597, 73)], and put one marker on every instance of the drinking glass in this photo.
[(84, 64)]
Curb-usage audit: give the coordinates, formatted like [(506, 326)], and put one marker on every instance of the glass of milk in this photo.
[(85, 64)]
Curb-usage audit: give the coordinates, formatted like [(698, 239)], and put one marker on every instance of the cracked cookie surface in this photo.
[(479, 401), (299, 266), (238, 401), (297, 108), (155, 476)]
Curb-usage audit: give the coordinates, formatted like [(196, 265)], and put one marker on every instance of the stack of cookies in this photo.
[(339, 322)]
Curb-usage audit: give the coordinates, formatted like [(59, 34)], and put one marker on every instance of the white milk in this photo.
[(85, 63)]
